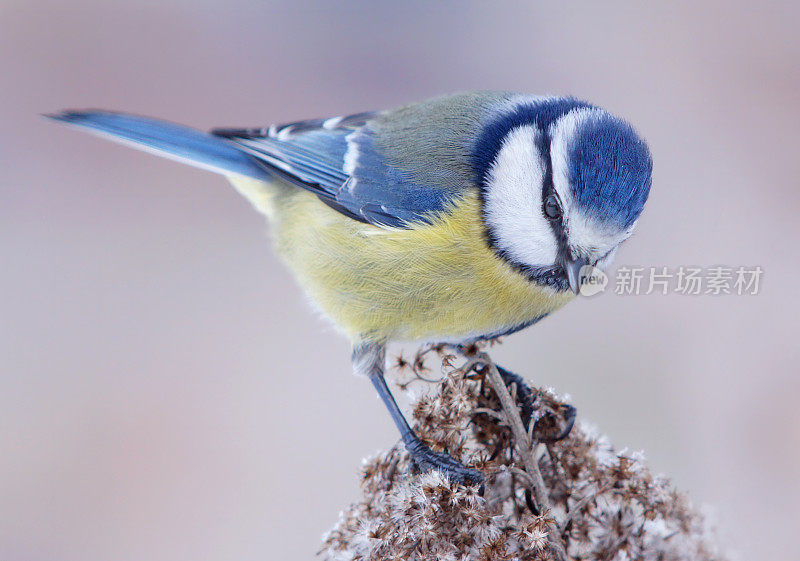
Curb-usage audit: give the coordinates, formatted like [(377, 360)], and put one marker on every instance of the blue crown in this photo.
[(609, 169), (541, 113)]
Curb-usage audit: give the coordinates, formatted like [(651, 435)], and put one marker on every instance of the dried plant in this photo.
[(543, 499)]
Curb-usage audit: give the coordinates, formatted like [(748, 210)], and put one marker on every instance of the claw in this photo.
[(560, 419), (424, 459), (567, 422)]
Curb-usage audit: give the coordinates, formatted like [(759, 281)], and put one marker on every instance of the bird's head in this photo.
[(562, 183)]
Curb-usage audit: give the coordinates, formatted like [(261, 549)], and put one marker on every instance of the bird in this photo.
[(457, 219)]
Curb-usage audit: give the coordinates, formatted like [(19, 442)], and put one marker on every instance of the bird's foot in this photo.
[(553, 421), (424, 459)]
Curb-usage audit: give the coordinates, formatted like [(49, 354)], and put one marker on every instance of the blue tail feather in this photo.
[(176, 142)]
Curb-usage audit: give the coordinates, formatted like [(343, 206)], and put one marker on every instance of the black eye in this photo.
[(551, 208)]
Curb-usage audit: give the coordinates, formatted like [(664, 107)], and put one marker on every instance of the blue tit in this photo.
[(456, 219)]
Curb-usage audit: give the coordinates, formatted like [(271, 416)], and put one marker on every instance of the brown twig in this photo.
[(523, 442)]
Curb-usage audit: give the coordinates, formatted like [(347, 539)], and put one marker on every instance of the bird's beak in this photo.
[(573, 268)]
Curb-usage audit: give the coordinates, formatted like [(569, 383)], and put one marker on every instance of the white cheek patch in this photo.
[(589, 238), (513, 200)]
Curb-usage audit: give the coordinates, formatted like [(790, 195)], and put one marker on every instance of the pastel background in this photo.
[(166, 392)]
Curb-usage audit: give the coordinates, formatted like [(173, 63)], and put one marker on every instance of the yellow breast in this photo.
[(434, 282)]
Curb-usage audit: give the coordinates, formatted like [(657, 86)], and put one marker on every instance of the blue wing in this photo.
[(342, 162)]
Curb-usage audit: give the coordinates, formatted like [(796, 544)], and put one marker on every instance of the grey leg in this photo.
[(368, 359)]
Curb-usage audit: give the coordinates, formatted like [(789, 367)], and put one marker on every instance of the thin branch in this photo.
[(525, 445)]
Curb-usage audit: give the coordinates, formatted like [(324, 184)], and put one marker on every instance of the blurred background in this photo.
[(166, 392)]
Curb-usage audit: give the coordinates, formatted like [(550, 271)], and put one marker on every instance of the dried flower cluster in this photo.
[(576, 498)]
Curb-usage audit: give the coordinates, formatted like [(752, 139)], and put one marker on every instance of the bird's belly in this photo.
[(438, 281)]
